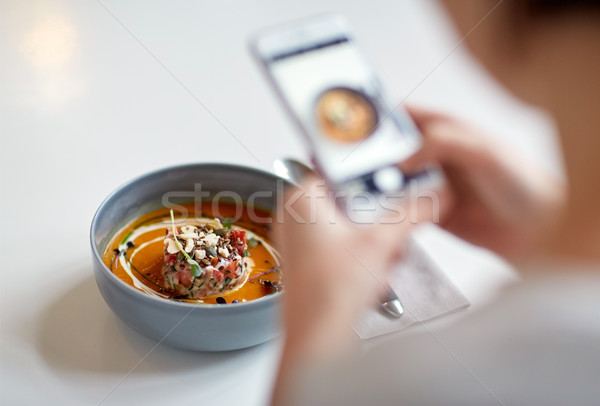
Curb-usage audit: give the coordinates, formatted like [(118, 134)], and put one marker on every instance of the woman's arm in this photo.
[(492, 198)]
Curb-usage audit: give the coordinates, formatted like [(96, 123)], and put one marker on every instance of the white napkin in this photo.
[(423, 289)]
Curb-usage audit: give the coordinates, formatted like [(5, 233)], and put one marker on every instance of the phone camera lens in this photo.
[(388, 179)]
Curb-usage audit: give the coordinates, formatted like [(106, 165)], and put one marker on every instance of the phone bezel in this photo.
[(303, 33)]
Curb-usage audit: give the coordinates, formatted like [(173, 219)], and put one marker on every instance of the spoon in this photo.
[(294, 171)]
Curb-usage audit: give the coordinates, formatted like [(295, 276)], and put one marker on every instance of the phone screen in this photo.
[(336, 98)]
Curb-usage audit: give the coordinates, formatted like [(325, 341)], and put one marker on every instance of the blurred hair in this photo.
[(535, 8)]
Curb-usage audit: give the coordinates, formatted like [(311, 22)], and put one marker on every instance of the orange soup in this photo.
[(137, 253)]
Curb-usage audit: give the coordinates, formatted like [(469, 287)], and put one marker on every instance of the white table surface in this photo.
[(94, 93)]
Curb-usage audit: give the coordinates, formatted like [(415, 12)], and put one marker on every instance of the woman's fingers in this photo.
[(431, 126), (310, 212), (422, 117), (448, 143)]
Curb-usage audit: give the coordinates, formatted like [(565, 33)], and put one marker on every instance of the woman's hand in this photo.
[(494, 198), (333, 267)]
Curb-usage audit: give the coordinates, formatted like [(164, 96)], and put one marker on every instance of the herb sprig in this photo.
[(196, 269)]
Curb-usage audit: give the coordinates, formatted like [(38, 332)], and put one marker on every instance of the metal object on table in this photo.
[(291, 169), (391, 304)]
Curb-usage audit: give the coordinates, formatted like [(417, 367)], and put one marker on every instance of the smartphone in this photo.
[(355, 135)]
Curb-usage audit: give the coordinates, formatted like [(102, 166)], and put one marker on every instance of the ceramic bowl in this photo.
[(187, 326)]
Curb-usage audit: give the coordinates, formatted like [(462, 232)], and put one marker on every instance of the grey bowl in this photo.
[(185, 325)]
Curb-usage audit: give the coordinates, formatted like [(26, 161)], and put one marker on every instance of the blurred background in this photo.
[(94, 93)]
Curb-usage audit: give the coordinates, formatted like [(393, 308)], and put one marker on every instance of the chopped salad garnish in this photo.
[(202, 261)]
